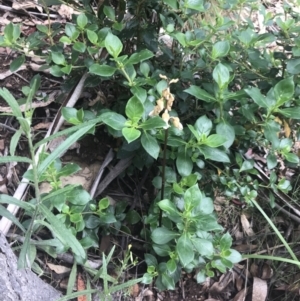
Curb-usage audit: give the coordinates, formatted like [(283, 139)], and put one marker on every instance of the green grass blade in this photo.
[(6, 199), (7, 159), (8, 97), (72, 279), (4, 212), (60, 230)]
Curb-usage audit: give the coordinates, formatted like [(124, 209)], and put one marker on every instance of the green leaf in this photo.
[(184, 164), (152, 123), (134, 109), (172, 3), (215, 140), (58, 58), (185, 250), (293, 112), (131, 134), (140, 57), (221, 75), (162, 236), (79, 46), (7, 159), (171, 266), (102, 70), (284, 91), (259, 99), (140, 93), (63, 234), (228, 132), (82, 21), (113, 45), (109, 12), (145, 69), (204, 247), (247, 165), (203, 126), (293, 158), (195, 4), (271, 161), (150, 145), (8, 97), (14, 141), (17, 63), (62, 147), (225, 242), (200, 94), (5, 213), (132, 217), (214, 154), (234, 256), (8, 32), (92, 36), (220, 49), (6, 199), (71, 31), (114, 120), (78, 196), (171, 210)]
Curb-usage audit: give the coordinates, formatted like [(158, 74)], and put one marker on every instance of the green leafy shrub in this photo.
[(195, 108)]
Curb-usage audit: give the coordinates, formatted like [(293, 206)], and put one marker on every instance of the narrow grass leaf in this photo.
[(8, 159), (4, 212)]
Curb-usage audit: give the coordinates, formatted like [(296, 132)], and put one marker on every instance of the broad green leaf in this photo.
[(8, 97), (293, 158), (7, 159), (203, 126), (203, 246), (220, 49), (140, 93), (150, 145), (139, 57), (14, 141), (293, 66), (79, 46), (102, 70), (221, 76), (270, 132), (168, 281), (171, 266), (215, 140), (58, 58), (152, 123), (259, 99), (161, 249), (114, 120), (92, 36), (113, 45), (214, 154), (42, 28), (109, 12), (8, 32), (132, 217), (162, 236), (184, 164), (234, 256), (195, 4), (225, 242), (78, 196), (5, 213), (200, 93), (17, 63), (71, 31), (63, 233), (271, 161), (228, 132), (284, 91), (145, 69), (131, 134), (171, 210), (82, 21), (247, 165), (150, 260), (192, 197), (194, 132), (62, 147), (134, 109), (172, 3), (185, 250), (293, 112)]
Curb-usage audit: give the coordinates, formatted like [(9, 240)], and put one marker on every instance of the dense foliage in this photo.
[(196, 86)]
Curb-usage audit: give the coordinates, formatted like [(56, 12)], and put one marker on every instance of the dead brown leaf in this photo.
[(81, 287), (58, 269), (246, 225), (260, 289), (241, 295)]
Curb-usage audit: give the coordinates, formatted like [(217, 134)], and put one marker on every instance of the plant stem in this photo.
[(162, 192)]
